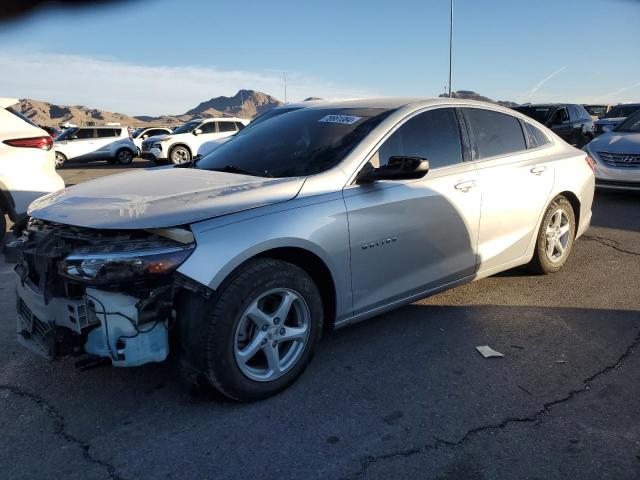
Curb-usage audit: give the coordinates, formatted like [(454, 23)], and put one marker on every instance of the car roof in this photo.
[(7, 102), (550, 105)]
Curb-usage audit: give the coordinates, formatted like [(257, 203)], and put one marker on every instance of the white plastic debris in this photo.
[(488, 352)]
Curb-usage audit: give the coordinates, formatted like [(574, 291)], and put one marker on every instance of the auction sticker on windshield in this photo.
[(344, 119)]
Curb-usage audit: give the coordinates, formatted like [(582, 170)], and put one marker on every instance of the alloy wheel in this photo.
[(180, 155), (558, 235), (272, 334)]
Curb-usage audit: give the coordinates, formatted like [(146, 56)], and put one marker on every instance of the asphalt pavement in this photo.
[(403, 395)]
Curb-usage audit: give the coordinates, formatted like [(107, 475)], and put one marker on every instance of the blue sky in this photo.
[(163, 56)]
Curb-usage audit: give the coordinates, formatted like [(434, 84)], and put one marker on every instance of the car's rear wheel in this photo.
[(555, 238), (124, 156), (259, 331), (60, 160), (179, 154)]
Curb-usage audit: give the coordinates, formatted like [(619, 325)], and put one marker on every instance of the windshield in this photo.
[(622, 111), (631, 124), (304, 142), (23, 117), (66, 134), (187, 127), (539, 114), (137, 132)]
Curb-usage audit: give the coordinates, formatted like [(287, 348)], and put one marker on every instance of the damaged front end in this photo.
[(107, 293)]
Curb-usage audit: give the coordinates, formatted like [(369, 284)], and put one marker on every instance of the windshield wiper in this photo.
[(242, 171)]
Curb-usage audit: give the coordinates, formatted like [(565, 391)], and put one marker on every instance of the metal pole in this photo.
[(284, 74), (450, 46)]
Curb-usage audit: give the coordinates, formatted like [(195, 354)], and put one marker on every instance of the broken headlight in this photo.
[(124, 262)]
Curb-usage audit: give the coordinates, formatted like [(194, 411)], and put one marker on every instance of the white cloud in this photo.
[(117, 86)]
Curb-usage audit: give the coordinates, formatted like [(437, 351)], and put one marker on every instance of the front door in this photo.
[(410, 236)]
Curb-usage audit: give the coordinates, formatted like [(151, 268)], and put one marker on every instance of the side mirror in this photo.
[(398, 168), (197, 131)]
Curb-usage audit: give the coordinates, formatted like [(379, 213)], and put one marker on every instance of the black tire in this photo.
[(60, 160), (184, 157), (541, 263), (124, 156), (209, 327)]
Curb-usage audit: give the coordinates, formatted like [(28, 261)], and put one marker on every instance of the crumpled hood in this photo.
[(616, 142), (161, 197)]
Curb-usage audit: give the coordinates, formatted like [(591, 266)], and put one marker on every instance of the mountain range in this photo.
[(245, 104)]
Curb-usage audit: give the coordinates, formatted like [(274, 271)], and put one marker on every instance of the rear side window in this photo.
[(84, 133), (495, 133), (574, 116), (226, 127), (535, 136), (239, 126), (433, 135), (582, 112), (107, 132)]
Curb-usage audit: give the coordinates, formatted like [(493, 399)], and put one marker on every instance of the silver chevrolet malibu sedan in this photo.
[(315, 219)]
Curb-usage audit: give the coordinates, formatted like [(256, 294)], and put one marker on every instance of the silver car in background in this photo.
[(316, 219), (617, 156)]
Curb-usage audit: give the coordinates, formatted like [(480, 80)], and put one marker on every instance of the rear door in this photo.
[(410, 236), (105, 137), (515, 183)]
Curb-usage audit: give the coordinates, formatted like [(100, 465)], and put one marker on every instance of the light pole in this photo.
[(284, 74), (450, 46)]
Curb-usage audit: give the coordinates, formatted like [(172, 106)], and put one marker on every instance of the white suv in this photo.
[(112, 144), (141, 134), (183, 143), (26, 164)]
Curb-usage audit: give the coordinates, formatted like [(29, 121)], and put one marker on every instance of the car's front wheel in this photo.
[(179, 154), (124, 156), (555, 237), (259, 331), (60, 160)]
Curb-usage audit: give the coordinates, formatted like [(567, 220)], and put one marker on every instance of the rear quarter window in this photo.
[(495, 133), (535, 136)]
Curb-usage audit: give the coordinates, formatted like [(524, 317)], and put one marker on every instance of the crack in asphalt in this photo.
[(60, 428), (533, 418), (610, 243)]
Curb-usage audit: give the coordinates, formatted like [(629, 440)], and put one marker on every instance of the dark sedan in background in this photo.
[(569, 121)]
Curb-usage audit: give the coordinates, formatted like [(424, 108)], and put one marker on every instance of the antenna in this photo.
[(284, 74), (450, 46)]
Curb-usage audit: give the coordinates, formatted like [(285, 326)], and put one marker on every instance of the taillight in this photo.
[(43, 143), (591, 163)]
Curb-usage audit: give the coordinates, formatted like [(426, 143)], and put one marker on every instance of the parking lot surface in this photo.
[(404, 395)]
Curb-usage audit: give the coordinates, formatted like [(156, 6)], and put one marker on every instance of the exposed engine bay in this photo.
[(105, 293)]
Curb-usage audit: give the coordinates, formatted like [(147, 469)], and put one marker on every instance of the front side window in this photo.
[(226, 127), (84, 133), (559, 117), (495, 133), (433, 135), (187, 127), (107, 132), (209, 127), (300, 143)]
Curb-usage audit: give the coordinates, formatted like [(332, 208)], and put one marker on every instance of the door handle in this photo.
[(465, 186), (538, 170)]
